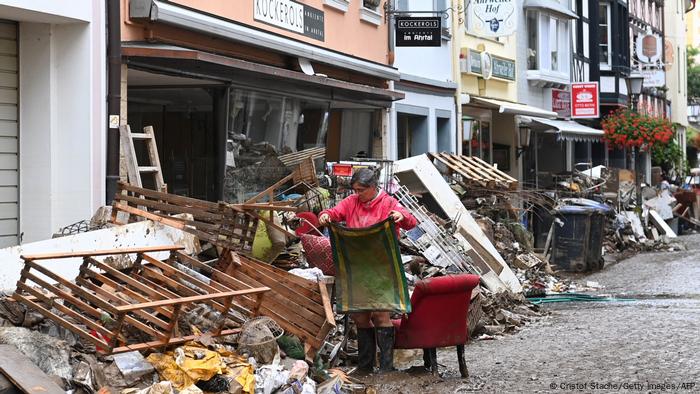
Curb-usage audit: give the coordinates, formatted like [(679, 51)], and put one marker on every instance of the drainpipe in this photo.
[(113, 97)]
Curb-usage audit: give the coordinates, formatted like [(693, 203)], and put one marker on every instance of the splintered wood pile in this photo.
[(139, 308), (220, 224), (471, 170)]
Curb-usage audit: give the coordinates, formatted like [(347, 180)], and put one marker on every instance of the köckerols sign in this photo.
[(491, 18), (418, 32), (292, 16)]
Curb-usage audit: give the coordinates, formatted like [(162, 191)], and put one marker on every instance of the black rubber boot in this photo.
[(366, 349), (385, 340)]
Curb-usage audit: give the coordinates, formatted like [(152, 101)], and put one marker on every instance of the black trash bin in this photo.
[(577, 245)]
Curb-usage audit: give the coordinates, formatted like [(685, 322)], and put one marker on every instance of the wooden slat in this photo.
[(172, 341), (330, 317), (127, 146), (148, 169), (146, 249), (140, 136), (199, 298)]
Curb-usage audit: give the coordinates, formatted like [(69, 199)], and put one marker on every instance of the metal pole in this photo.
[(113, 97), (637, 155)]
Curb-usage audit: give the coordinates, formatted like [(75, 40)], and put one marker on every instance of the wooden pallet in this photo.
[(291, 160), (221, 224), (151, 295), (103, 304), (470, 170)]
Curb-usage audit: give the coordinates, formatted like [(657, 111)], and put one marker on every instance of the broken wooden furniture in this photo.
[(438, 319), (421, 177), (471, 170), (293, 159), (104, 304), (134, 170), (148, 297), (218, 223)]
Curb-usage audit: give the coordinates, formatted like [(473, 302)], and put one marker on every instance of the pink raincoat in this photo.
[(357, 214)]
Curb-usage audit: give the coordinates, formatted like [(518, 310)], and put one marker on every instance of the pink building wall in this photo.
[(344, 31)]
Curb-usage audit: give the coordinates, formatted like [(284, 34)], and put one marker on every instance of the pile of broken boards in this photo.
[(196, 314)]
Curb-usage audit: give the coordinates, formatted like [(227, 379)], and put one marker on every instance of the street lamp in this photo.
[(524, 140), (635, 82)]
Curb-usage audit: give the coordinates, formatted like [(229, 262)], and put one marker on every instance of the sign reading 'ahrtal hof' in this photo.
[(491, 18), (290, 15)]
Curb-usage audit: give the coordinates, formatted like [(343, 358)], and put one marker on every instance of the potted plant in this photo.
[(625, 128)]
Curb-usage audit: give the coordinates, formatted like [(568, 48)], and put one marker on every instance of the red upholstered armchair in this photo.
[(439, 318)]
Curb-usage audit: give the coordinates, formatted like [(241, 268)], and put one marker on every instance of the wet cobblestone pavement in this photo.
[(650, 345)]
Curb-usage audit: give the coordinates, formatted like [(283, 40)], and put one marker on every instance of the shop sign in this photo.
[(648, 47), (489, 66), (584, 100), (561, 103), (503, 68), (654, 78), (292, 16), (491, 18), (418, 31)]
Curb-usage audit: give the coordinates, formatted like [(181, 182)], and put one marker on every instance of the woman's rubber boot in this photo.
[(385, 340), (366, 349)]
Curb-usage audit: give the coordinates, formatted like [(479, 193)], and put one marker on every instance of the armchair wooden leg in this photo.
[(426, 358), (462, 364)]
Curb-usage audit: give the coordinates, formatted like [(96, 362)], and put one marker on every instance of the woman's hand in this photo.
[(396, 216), (324, 219)]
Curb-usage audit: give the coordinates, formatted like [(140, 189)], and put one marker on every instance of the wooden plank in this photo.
[(172, 341), (22, 372), (183, 300), (148, 169), (153, 156), (197, 213), (141, 136), (127, 145), (146, 249), (661, 224), (170, 198), (330, 317), (60, 321)]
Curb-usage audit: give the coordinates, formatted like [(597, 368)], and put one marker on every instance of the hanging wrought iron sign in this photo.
[(491, 18), (418, 31)]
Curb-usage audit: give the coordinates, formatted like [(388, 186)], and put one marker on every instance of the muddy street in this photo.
[(648, 344)]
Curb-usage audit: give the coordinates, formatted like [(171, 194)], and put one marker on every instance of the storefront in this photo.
[(222, 93)]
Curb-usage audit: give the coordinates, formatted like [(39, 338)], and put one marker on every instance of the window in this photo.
[(554, 44), (371, 4), (532, 41), (604, 36), (548, 47), (480, 143)]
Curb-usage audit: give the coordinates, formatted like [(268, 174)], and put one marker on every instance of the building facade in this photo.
[(213, 77), (676, 67), (52, 116), (425, 120), (489, 97)]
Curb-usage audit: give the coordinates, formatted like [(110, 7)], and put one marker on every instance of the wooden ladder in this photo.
[(134, 170)]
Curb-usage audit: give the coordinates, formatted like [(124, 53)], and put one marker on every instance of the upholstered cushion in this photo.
[(318, 253)]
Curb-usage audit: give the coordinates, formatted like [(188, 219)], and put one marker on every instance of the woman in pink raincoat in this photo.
[(370, 205)]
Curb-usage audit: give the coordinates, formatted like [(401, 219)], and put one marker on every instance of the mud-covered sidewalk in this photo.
[(647, 345)]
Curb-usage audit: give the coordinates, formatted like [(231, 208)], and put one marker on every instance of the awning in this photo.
[(176, 60), (551, 6), (506, 107), (567, 129), (172, 14)]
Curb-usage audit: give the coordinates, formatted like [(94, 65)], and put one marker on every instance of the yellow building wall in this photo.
[(692, 32)]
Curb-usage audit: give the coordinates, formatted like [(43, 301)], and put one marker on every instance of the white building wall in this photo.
[(433, 104), (431, 65), (62, 112), (676, 73)]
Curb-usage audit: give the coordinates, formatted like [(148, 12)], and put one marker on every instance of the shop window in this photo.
[(479, 144), (286, 123), (604, 36)]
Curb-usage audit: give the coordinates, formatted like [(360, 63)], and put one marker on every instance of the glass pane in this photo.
[(531, 41), (554, 44), (603, 14), (486, 141), (604, 54)]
